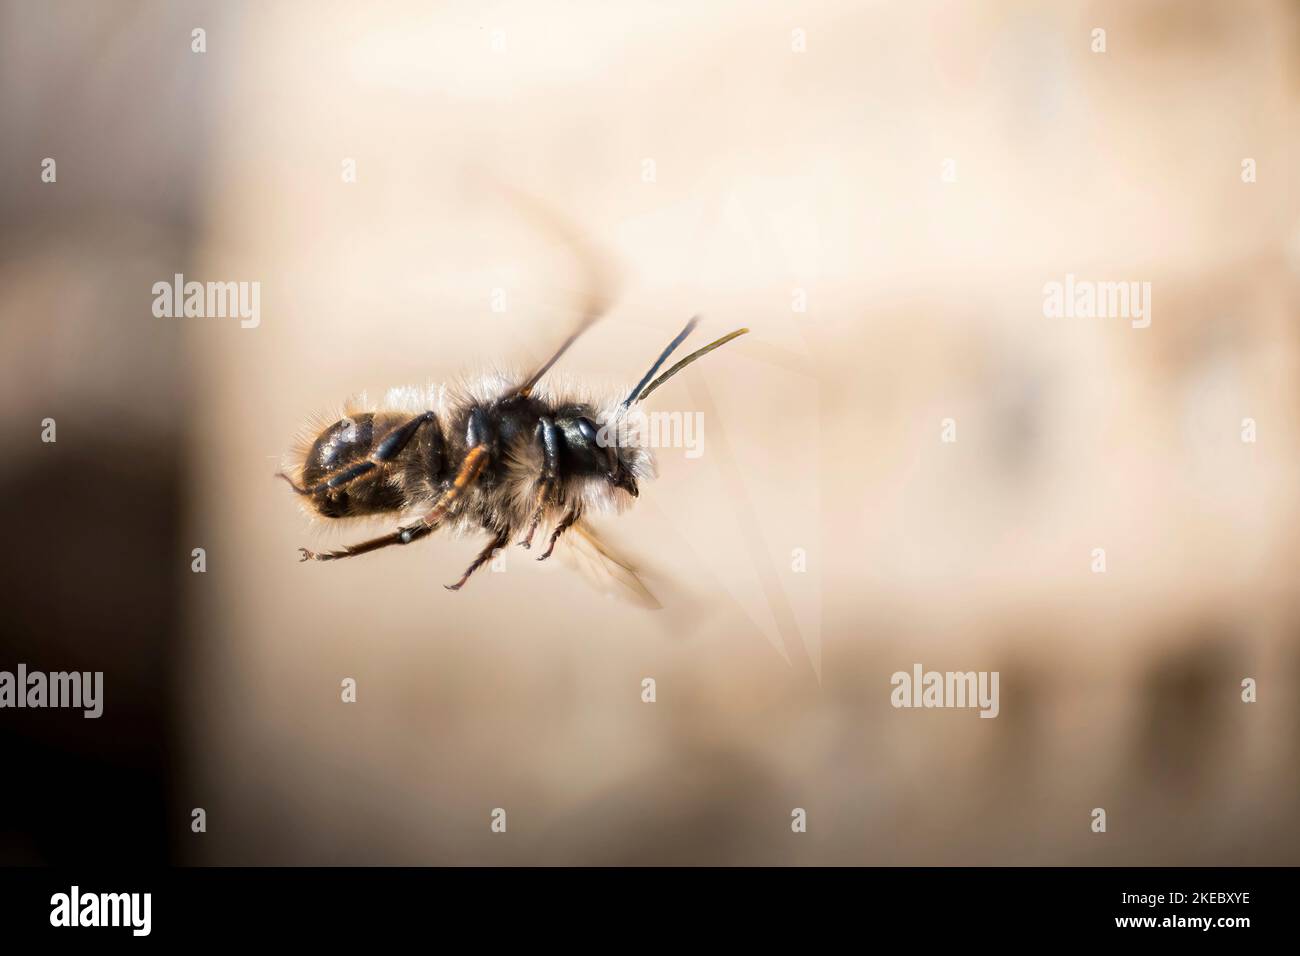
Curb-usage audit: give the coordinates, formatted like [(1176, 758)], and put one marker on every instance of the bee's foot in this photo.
[(454, 587), (305, 555)]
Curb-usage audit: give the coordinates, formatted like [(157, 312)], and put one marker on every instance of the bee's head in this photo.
[(591, 449)]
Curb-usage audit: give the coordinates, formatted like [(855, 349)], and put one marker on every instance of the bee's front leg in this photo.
[(549, 437)]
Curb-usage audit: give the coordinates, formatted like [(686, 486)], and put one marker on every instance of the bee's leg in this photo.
[(502, 538), (468, 473), (389, 448), (574, 514), (403, 535), (550, 471)]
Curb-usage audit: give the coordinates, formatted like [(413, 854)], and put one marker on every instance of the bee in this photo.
[(496, 456)]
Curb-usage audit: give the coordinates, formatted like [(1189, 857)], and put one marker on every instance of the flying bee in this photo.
[(500, 457)]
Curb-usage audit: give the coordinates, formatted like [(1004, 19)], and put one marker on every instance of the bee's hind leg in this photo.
[(498, 542), (401, 536), (574, 514), (550, 472)]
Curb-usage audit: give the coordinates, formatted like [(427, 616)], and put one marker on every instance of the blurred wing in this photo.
[(598, 275), (608, 572)]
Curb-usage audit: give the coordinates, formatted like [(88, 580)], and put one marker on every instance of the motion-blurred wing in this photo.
[(608, 572), (599, 277)]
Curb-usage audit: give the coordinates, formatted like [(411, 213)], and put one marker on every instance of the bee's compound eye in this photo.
[(588, 429)]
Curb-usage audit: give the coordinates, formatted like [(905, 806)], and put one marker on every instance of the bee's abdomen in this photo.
[(344, 443), (352, 463)]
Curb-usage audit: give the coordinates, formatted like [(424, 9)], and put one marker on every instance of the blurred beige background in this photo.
[(777, 174)]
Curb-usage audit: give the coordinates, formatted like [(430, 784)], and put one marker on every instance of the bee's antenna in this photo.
[(698, 353), (663, 357)]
